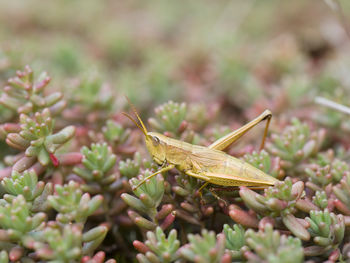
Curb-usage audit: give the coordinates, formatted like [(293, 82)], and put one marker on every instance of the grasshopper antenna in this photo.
[(127, 115), (143, 129)]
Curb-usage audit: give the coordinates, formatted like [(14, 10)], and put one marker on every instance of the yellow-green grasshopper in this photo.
[(209, 164)]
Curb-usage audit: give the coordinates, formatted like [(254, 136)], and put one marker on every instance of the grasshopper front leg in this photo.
[(164, 169)]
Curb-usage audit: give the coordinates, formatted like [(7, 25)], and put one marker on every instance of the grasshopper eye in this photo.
[(155, 141)]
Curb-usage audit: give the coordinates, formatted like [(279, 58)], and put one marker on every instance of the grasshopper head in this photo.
[(154, 141), (156, 146)]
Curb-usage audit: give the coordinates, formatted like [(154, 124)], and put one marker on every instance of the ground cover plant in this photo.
[(70, 161)]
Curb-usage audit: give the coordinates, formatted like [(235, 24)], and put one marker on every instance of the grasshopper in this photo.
[(210, 164)]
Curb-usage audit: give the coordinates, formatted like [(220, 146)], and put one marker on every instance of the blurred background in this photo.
[(241, 54)]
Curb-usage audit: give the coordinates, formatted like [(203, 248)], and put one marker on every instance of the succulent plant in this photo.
[(193, 206), (187, 186), (345, 253), (27, 185), (295, 144), (199, 115), (37, 138), (219, 131), (91, 100), (96, 170), (205, 248), (296, 88), (89, 92), (115, 133), (148, 197), (65, 244), (320, 199), (17, 220), (271, 246), (327, 230), (26, 95), (56, 245), (235, 240), (130, 167), (158, 248), (278, 201), (4, 258), (72, 204), (326, 170), (262, 161), (342, 192), (171, 118)]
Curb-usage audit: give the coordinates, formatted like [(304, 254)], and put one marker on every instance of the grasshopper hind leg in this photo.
[(224, 142)]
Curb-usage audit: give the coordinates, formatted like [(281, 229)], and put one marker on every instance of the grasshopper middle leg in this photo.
[(202, 177)]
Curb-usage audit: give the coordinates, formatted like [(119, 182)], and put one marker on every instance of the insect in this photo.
[(210, 164)]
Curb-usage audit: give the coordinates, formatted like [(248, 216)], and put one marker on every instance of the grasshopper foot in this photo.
[(218, 197), (201, 199), (134, 188)]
